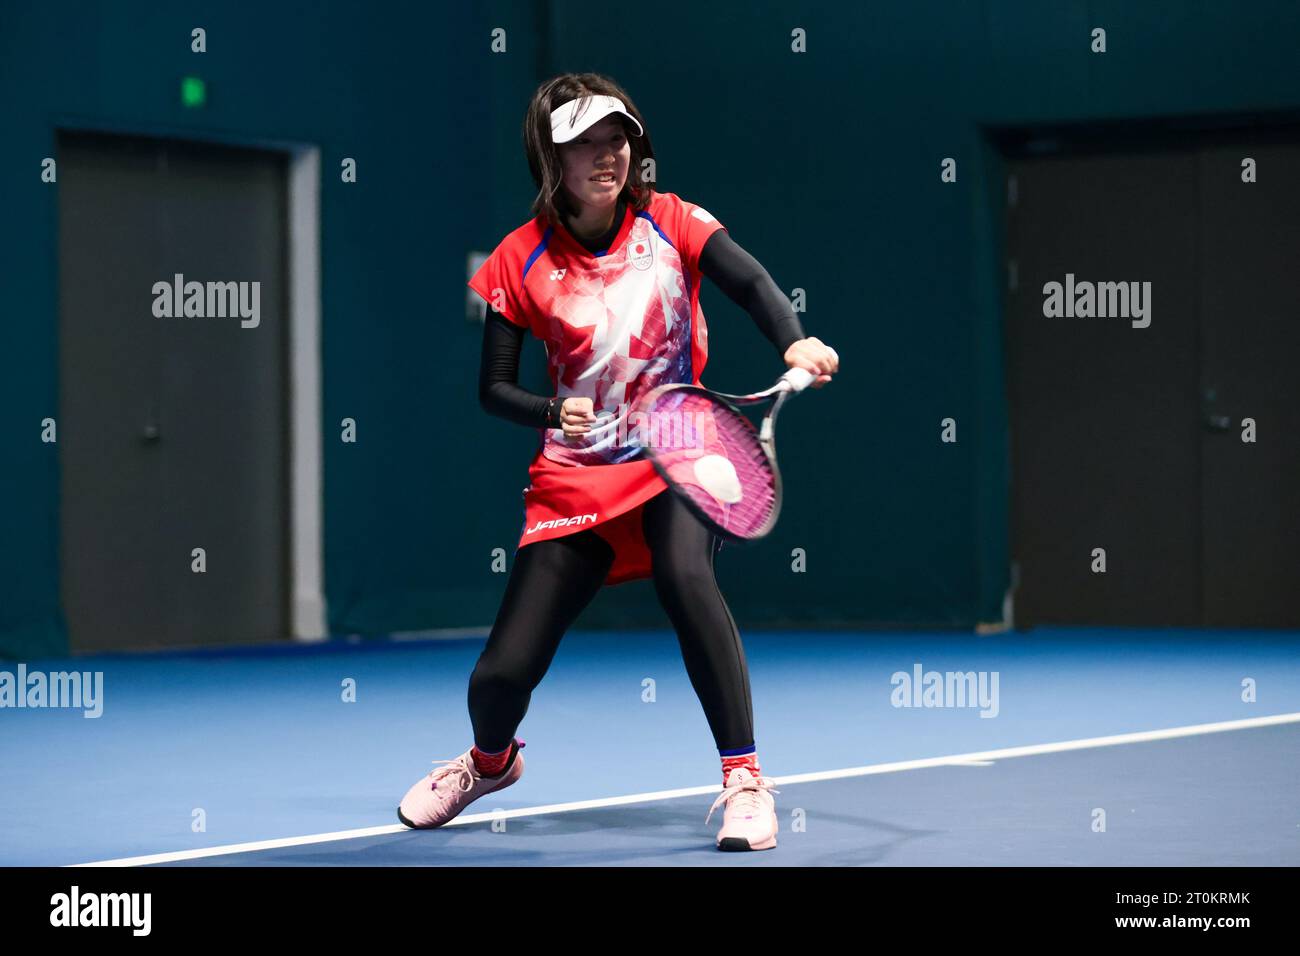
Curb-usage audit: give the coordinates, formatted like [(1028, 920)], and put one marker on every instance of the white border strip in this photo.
[(979, 758), (306, 501)]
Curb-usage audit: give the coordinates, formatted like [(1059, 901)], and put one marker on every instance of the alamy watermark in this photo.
[(1086, 300), (663, 429), (73, 689), (75, 908), (922, 688), (179, 299)]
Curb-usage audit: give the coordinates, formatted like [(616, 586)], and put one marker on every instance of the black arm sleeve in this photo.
[(498, 378), (746, 283)]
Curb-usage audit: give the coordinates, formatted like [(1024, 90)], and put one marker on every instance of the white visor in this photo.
[(578, 115)]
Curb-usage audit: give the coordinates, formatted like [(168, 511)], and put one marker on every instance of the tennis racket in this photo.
[(713, 457)]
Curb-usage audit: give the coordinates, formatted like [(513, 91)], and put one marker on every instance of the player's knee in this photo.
[(685, 582), (496, 678)]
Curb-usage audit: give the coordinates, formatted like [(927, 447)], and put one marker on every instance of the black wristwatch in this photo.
[(553, 409)]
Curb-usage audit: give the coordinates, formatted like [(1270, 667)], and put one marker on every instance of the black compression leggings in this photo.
[(552, 581)]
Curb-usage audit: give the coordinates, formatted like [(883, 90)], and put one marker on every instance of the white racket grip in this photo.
[(799, 378)]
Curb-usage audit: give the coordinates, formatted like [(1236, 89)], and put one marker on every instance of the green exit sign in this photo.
[(194, 92)]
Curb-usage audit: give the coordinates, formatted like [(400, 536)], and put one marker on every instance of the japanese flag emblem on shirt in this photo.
[(640, 250)]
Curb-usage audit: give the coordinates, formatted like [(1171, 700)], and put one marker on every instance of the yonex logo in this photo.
[(562, 522), (557, 274)]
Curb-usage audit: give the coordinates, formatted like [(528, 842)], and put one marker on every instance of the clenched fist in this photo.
[(576, 416)]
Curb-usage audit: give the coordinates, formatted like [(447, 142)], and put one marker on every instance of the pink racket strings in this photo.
[(713, 456)]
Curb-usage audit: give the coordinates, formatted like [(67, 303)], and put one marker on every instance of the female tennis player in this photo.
[(607, 274)]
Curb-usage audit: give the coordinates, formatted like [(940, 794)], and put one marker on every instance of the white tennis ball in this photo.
[(717, 476)]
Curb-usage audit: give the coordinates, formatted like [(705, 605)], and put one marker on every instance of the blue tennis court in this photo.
[(366, 411), (261, 746)]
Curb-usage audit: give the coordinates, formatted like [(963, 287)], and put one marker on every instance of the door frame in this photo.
[(1001, 142), (307, 605)]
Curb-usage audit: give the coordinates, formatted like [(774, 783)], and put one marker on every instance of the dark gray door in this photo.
[(1250, 368), (172, 431), (1117, 433), (1103, 427)]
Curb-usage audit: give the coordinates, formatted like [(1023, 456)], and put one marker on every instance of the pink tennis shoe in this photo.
[(444, 793), (749, 821)]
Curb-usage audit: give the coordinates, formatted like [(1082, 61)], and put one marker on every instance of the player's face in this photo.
[(602, 149)]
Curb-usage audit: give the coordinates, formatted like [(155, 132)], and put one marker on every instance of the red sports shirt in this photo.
[(615, 326)]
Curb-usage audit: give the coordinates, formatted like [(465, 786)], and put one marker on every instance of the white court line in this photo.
[(979, 758)]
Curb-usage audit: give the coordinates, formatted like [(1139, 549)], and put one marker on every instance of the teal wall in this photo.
[(824, 165)]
